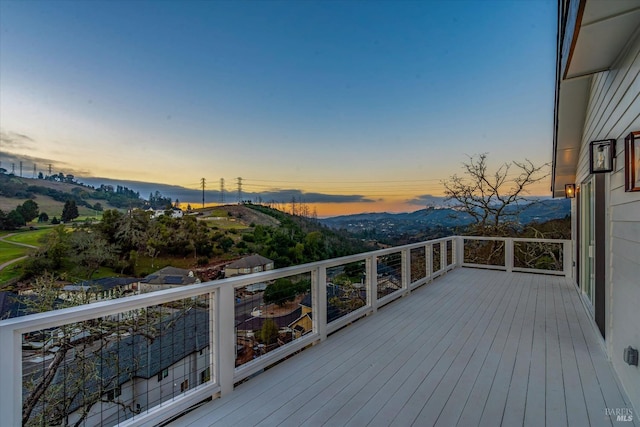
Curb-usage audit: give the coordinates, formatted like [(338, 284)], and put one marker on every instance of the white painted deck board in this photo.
[(475, 347)]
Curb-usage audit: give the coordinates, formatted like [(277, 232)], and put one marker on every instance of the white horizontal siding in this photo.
[(613, 112)]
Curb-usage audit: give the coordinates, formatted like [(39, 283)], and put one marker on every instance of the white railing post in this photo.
[(567, 258), (406, 270), (319, 295), (11, 377), (372, 282), (226, 343), (443, 256), (459, 241), (508, 254), (428, 258), (213, 339)]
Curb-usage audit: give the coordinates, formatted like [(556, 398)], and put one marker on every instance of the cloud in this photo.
[(429, 200), (15, 141), (285, 196), (12, 144), (213, 196), (42, 164)]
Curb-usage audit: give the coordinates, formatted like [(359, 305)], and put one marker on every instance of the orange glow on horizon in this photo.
[(329, 209)]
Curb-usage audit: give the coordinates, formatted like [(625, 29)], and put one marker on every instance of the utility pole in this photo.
[(34, 170), (13, 168), (222, 191), (239, 190), (203, 182), (20, 168), (49, 169)]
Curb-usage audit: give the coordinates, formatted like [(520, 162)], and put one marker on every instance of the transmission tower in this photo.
[(239, 190), (203, 182), (34, 170), (222, 191), (20, 168), (13, 168), (49, 169)]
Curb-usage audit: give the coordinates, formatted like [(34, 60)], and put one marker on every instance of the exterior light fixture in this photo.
[(632, 162), (569, 191), (631, 356), (601, 154)]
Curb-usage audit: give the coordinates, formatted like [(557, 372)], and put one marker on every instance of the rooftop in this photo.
[(250, 262)]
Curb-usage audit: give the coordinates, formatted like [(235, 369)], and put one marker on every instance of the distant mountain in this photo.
[(388, 225)]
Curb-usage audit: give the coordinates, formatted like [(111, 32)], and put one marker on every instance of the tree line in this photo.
[(134, 243)]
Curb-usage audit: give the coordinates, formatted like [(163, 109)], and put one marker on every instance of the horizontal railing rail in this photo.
[(148, 357), (546, 256)]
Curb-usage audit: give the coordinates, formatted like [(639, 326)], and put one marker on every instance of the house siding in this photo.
[(612, 113)]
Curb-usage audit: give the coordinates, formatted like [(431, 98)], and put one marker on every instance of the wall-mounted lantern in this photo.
[(632, 162), (601, 154), (569, 191)]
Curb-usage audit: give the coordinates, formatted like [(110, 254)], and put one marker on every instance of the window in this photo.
[(163, 374), (205, 376), (184, 386), (113, 393)]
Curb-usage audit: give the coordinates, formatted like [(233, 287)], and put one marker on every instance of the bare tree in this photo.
[(493, 199)]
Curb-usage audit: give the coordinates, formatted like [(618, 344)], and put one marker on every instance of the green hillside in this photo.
[(51, 196), (137, 244)]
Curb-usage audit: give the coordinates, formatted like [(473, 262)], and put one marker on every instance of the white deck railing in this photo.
[(146, 397)]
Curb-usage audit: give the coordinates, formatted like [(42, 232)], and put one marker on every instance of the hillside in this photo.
[(239, 214), (436, 221), (51, 195), (204, 240)]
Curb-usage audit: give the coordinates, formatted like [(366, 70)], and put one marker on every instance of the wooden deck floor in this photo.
[(475, 347)]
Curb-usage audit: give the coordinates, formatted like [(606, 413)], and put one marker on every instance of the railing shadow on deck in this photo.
[(146, 358)]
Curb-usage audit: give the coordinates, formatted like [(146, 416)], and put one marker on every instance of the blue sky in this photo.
[(378, 101)]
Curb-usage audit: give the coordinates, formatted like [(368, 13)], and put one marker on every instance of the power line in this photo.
[(203, 182)]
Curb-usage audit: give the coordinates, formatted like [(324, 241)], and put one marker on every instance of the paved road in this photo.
[(8, 263)]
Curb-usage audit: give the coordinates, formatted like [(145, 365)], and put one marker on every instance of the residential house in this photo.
[(149, 370), (247, 265), (336, 296), (597, 107), (99, 289), (11, 305), (167, 278), (174, 212)]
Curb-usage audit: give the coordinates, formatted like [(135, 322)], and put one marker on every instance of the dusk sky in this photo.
[(362, 105)]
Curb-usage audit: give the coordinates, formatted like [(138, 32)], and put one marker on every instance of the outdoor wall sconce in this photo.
[(630, 356), (601, 154), (569, 191), (632, 162)]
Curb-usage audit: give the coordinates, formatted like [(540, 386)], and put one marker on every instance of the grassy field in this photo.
[(224, 223), (10, 273), (31, 237), (9, 252), (50, 206)]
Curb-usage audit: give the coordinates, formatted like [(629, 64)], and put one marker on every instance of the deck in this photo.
[(475, 347)]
